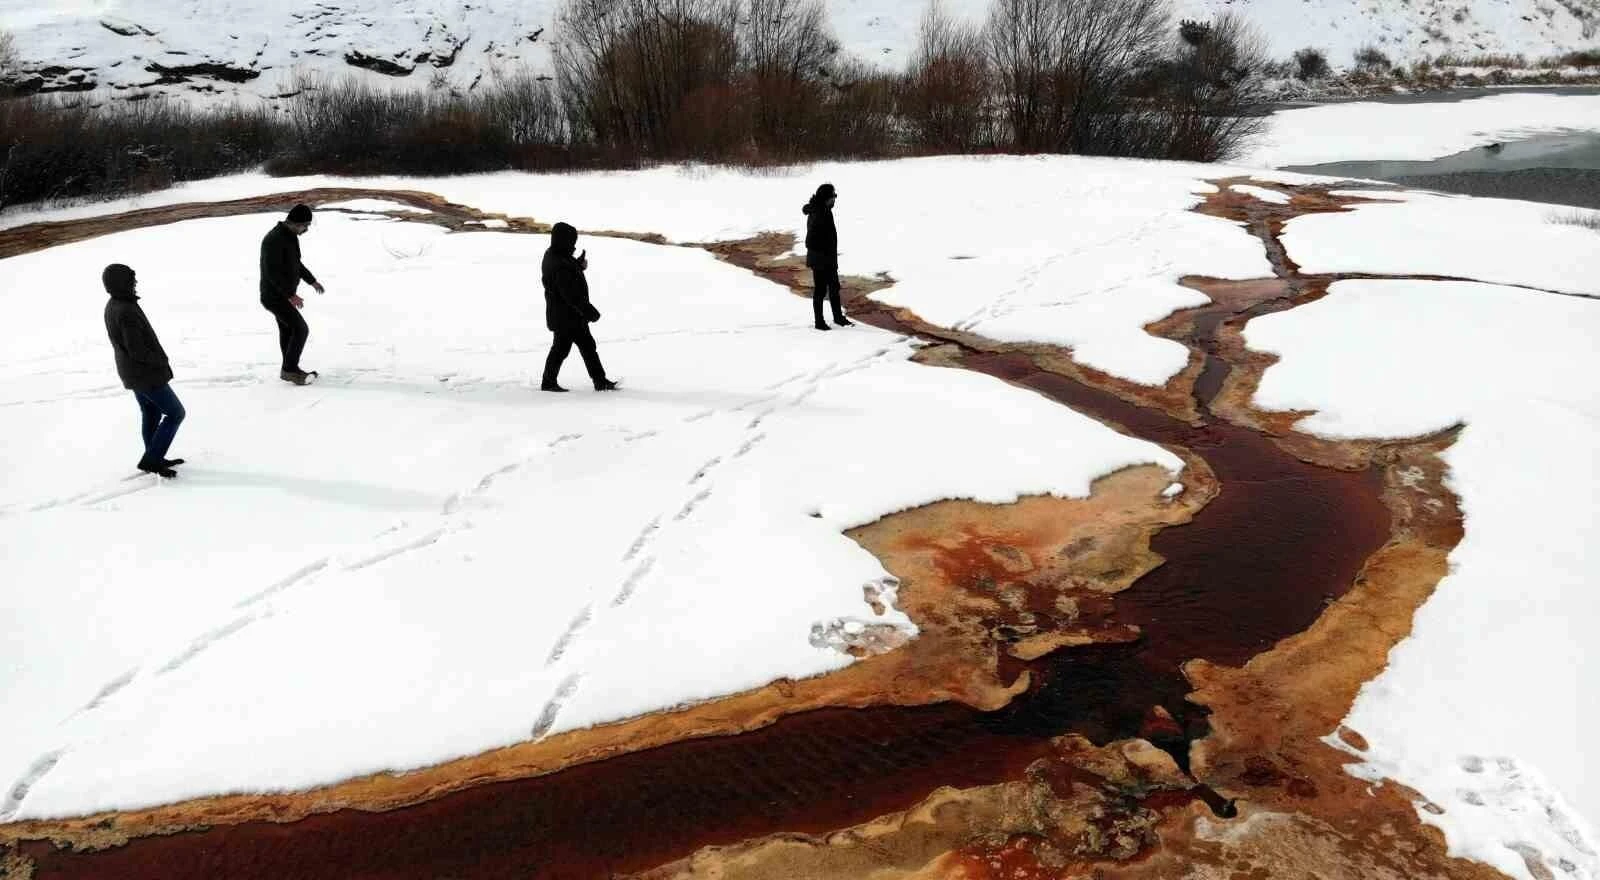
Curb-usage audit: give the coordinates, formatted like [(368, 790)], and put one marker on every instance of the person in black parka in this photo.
[(567, 310), (281, 274), (822, 255), (143, 367)]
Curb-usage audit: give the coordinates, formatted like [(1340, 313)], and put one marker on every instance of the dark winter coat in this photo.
[(566, 291), (141, 362), (822, 239), (281, 269)]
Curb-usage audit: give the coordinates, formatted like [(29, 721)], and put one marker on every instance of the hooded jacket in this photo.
[(822, 239), (281, 269), (141, 362), (566, 290)]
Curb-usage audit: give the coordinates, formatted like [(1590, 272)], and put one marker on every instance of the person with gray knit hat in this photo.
[(822, 255), (281, 274), (143, 367)]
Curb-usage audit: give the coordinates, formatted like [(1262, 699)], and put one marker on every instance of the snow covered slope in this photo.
[(253, 47), (1409, 29)]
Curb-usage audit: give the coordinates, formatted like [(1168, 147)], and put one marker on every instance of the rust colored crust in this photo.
[(948, 557), (1299, 813), (1078, 804), (767, 255), (438, 211)]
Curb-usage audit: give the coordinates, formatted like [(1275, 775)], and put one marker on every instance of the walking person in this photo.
[(822, 255), (281, 274), (567, 310), (143, 368)]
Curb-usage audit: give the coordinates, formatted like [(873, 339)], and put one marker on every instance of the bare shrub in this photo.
[(856, 118), (785, 48), (1311, 63), (944, 96), (1485, 60), (1026, 53), (350, 127), (1585, 219), (1065, 69), (1207, 93), (1372, 59), (631, 66), (69, 148), (1580, 58)]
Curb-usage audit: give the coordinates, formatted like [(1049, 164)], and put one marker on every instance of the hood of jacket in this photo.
[(118, 280), (563, 238)]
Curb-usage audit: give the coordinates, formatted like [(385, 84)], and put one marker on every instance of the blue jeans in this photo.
[(163, 413)]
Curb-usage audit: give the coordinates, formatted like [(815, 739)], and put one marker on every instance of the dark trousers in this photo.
[(162, 413), (825, 281), (292, 332), (561, 346)]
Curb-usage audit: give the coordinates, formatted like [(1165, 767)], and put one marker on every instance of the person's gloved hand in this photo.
[(594, 315)]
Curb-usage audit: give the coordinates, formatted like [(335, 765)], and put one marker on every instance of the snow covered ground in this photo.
[(1346, 132), (421, 557), (1426, 234), (1486, 708), (332, 515), (1409, 29)]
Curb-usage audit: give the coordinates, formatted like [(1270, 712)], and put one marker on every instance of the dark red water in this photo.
[(1256, 565)]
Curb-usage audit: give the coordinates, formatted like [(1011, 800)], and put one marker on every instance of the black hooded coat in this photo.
[(822, 239), (141, 362), (566, 290)]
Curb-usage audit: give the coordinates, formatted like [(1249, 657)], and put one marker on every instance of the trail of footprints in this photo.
[(258, 605), (702, 484)]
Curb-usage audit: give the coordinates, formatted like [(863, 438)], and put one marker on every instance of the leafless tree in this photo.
[(785, 49), (946, 91)]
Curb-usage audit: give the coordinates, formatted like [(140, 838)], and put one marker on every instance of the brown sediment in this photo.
[(977, 579), (433, 210), (1076, 804), (1256, 585)]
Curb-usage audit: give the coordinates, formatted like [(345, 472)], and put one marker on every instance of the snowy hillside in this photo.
[(1410, 29), (254, 47)]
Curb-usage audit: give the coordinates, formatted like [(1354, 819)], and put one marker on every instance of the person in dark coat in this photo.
[(143, 367), (822, 255), (281, 274), (567, 310)]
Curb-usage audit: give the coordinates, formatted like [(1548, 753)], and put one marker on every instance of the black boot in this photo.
[(842, 321), (605, 385), (551, 386), (159, 468), (172, 462), (823, 325)]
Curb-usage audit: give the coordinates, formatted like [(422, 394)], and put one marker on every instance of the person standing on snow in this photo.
[(143, 368), (567, 310), (281, 274), (822, 255)]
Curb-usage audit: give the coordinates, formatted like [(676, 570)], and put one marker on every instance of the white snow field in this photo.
[(1369, 130), (421, 557), (1494, 240), (1409, 29), (1487, 708), (474, 589)]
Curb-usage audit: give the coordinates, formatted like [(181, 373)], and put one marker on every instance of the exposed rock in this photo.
[(206, 70), (385, 66)]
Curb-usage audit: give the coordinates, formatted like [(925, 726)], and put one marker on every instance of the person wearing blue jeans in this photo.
[(143, 367)]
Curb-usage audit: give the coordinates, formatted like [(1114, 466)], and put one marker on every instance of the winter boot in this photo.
[(823, 325), (605, 385), (300, 377), (551, 386), (842, 321), (159, 468)]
